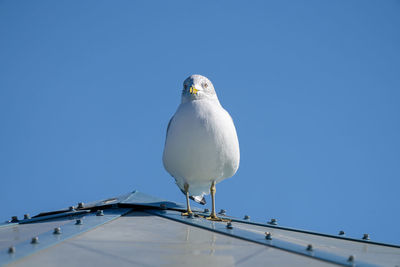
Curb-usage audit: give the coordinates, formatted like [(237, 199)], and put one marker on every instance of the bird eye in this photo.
[(205, 85)]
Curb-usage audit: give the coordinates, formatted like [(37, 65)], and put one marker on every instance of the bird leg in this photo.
[(213, 216), (189, 211)]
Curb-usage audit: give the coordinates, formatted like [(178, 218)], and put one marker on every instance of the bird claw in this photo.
[(217, 219), (186, 213)]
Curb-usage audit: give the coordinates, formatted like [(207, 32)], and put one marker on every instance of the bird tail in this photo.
[(199, 199)]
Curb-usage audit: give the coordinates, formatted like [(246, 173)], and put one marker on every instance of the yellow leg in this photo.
[(213, 216), (189, 211)]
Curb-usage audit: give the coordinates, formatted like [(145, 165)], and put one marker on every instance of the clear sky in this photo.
[(87, 89)]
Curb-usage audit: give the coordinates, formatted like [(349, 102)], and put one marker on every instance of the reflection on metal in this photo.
[(7, 224), (256, 238), (25, 237), (139, 199), (69, 230)]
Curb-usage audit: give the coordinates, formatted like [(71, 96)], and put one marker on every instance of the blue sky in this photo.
[(87, 89)]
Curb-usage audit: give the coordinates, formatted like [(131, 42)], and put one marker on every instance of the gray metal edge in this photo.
[(257, 238), (69, 230), (307, 231), (49, 217)]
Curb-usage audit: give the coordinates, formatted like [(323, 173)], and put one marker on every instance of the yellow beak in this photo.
[(193, 90)]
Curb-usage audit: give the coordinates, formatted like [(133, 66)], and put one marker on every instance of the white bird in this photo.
[(201, 146)]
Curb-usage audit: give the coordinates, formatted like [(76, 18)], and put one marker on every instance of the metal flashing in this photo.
[(74, 221), (66, 231), (230, 230), (365, 241), (53, 216)]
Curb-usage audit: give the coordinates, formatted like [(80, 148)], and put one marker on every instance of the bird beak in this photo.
[(193, 90)]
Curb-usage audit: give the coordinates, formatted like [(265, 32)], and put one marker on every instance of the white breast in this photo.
[(201, 146)]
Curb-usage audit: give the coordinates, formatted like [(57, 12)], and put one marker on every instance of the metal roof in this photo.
[(138, 229)]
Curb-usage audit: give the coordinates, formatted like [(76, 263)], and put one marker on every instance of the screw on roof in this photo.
[(35, 240), (14, 219), (246, 217), (365, 237), (78, 222), (268, 236), (206, 210), (273, 222), (57, 231), (11, 249), (26, 216), (351, 258), (100, 213), (81, 205), (229, 225), (222, 212), (310, 247), (341, 232), (71, 208)]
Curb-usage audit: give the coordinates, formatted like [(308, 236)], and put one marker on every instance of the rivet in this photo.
[(222, 212), (206, 210), (273, 222), (11, 249), (81, 205), (72, 208), (310, 247), (14, 219), (163, 206), (26, 216), (100, 213), (35, 240), (246, 217), (268, 236), (351, 258), (365, 237), (78, 222), (229, 225), (57, 231), (341, 232)]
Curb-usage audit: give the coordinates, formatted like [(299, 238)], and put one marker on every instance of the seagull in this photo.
[(201, 147)]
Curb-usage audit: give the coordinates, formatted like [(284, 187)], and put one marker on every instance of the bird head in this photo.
[(197, 87)]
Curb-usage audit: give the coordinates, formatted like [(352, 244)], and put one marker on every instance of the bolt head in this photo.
[(246, 217), (57, 231), (341, 232), (11, 249), (14, 219), (81, 205), (309, 247), (268, 236), (229, 225), (26, 216), (222, 211), (35, 240), (206, 210), (273, 222), (72, 208), (365, 237), (99, 213), (78, 222), (351, 258)]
